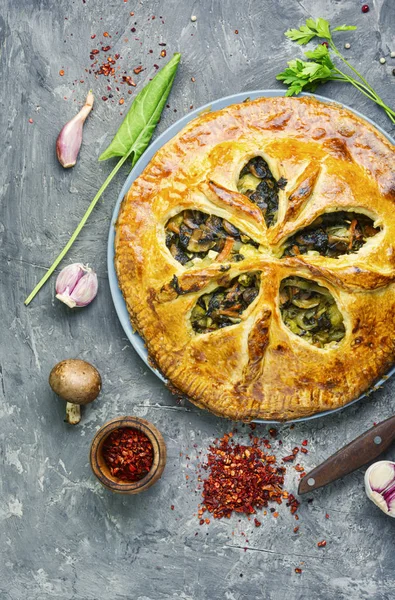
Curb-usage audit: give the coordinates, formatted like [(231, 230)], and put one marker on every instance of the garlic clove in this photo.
[(69, 139), (76, 285), (389, 497), (380, 485), (86, 289)]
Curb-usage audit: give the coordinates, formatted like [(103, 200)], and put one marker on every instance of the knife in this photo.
[(359, 452)]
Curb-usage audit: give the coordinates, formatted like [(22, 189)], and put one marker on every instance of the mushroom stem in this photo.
[(73, 413)]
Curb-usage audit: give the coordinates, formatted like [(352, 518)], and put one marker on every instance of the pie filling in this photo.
[(224, 306), (258, 184), (332, 234), (310, 311), (193, 236)]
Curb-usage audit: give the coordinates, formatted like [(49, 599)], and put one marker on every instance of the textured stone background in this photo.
[(62, 535)]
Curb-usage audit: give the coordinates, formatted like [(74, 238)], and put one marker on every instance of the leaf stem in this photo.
[(365, 85), (81, 224), (368, 92)]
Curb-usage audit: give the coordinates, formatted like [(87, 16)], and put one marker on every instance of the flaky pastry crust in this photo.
[(258, 369)]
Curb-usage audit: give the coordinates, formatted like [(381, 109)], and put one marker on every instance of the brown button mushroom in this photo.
[(76, 381)]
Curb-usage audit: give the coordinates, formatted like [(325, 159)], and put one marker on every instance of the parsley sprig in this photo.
[(301, 75)]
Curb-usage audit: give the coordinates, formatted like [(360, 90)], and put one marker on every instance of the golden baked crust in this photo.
[(257, 368)]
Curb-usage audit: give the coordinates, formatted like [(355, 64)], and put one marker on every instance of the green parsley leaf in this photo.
[(323, 29), (321, 55), (301, 36)]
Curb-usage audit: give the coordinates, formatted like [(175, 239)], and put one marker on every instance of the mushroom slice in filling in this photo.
[(224, 305), (332, 234), (310, 311), (258, 184), (193, 236)]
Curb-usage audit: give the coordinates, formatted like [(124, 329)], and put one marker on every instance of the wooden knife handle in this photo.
[(361, 451)]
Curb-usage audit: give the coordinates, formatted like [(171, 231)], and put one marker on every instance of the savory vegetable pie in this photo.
[(256, 256)]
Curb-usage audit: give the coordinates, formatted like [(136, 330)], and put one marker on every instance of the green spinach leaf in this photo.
[(137, 128)]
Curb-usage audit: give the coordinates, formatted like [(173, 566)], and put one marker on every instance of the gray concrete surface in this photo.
[(62, 535)]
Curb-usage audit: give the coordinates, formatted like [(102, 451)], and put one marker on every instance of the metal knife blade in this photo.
[(359, 452)]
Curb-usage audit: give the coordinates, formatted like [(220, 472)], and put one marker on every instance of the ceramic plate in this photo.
[(119, 303)]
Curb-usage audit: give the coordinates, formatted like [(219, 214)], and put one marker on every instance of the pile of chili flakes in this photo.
[(242, 479)]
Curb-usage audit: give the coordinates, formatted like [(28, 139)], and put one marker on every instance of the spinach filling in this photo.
[(223, 306), (258, 184), (332, 234), (310, 311), (192, 236)]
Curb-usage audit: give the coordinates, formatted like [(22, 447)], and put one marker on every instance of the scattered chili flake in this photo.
[(106, 48), (326, 516), (289, 458), (236, 31), (61, 72), (321, 544), (305, 442), (304, 450), (172, 507), (138, 70), (273, 432), (128, 453), (257, 523), (105, 34), (193, 79), (121, 101), (275, 514), (298, 571), (93, 36), (163, 53), (104, 98), (95, 51), (296, 529), (30, 120)]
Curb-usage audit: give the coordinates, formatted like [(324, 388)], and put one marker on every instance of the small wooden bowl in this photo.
[(101, 470)]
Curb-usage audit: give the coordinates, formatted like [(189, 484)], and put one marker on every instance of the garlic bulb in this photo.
[(380, 485), (76, 285)]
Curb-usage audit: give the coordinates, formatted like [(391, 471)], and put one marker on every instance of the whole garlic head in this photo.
[(380, 485)]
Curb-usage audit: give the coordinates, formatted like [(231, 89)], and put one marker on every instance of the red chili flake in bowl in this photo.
[(128, 453)]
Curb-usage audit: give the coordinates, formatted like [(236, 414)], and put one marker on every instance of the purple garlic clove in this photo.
[(389, 497), (69, 140), (380, 485), (76, 285)]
